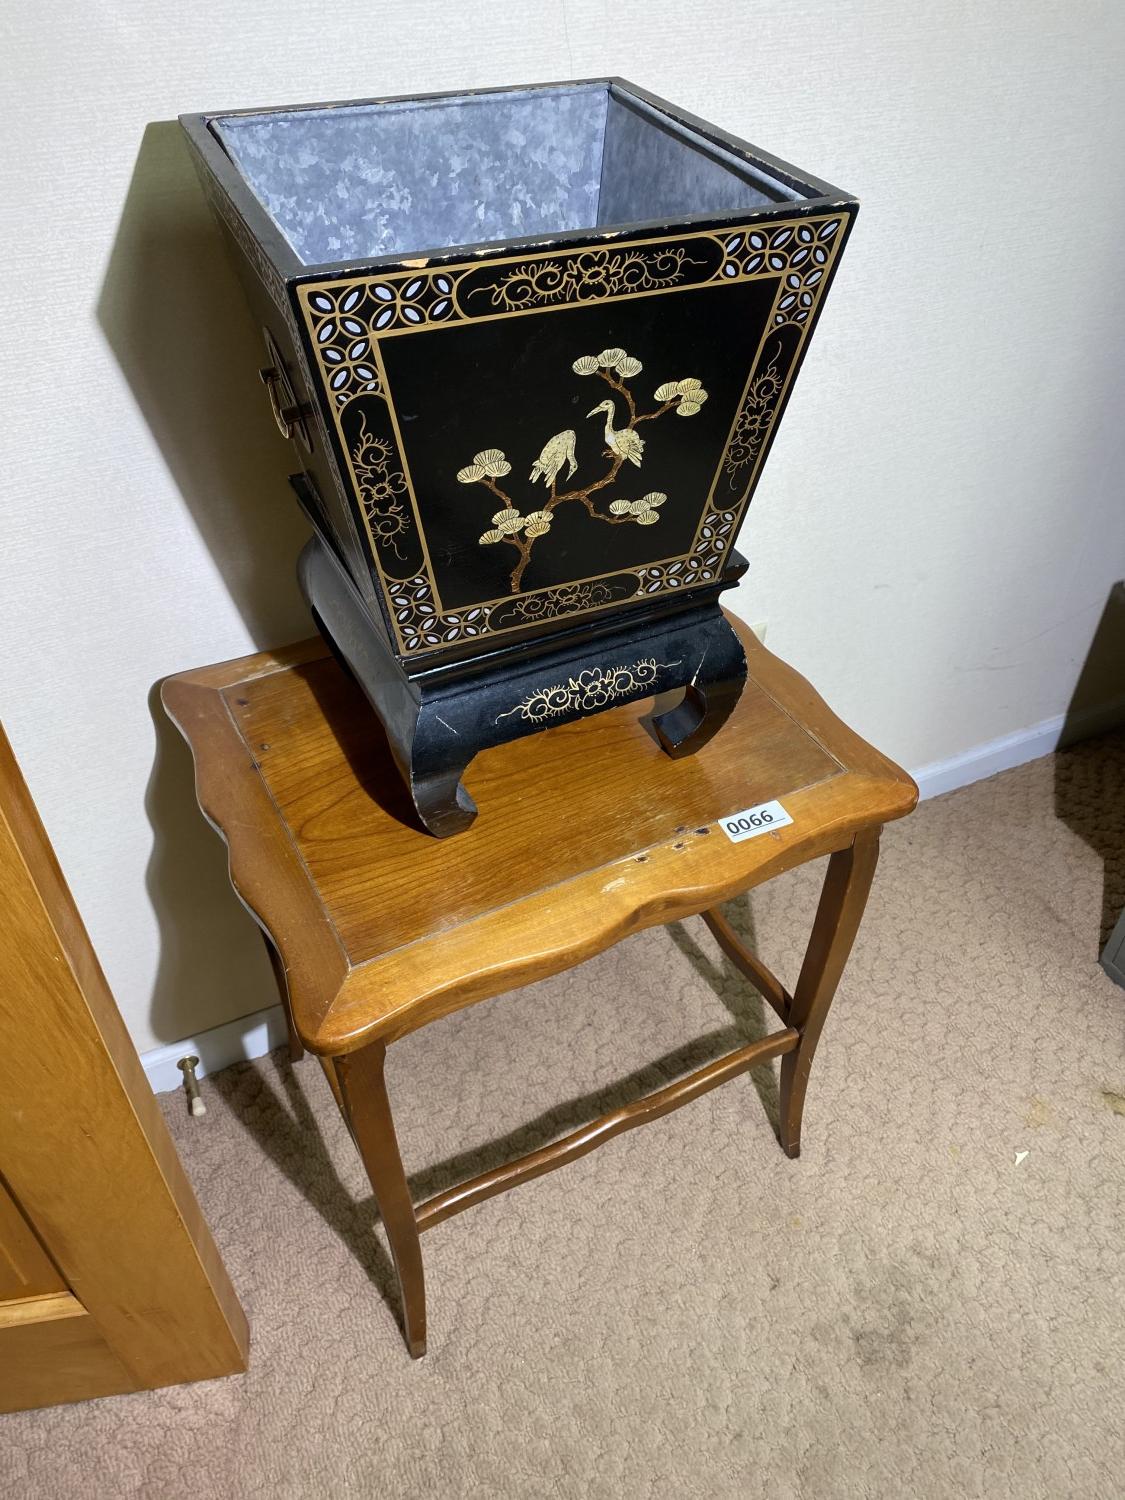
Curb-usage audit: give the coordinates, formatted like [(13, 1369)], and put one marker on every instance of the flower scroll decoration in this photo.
[(589, 690), (623, 445), (752, 425), (382, 486), (567, 599), (590, 276)]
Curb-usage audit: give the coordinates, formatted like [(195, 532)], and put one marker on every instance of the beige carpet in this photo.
[(904, 1312)]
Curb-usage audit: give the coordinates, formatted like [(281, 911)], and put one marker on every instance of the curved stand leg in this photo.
[(714, 687), (430, 751), (842, 900), (443, 805), (698, 717), (435, 722), (438, 756), (363, 1097), (296, 1046)]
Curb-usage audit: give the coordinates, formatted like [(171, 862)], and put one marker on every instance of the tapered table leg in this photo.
[(363, 1094), (846, 885)]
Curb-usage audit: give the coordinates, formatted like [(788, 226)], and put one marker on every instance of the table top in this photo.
[(586, 833)]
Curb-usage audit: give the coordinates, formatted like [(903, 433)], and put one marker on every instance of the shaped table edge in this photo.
[(267, 874)]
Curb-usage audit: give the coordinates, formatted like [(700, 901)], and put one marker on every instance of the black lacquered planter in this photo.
[(531, 346)]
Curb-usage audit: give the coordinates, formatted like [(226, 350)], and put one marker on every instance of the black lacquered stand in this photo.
[(437, 721)]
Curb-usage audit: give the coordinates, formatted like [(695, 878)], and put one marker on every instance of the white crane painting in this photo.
[(622, 445), (627, 443), (557, 451)]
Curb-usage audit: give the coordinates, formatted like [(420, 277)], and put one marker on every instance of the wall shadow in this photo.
[(285, 1127), (361, 737), (174, 315), (752, 1019), (1090, 763)]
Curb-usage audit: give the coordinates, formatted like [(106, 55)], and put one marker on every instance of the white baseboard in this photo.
[(257, 1034), (986, 760), (1016, 749)]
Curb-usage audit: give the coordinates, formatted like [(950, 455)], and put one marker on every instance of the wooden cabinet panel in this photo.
[(51, 1351), (139, 1296), (26, 1270)]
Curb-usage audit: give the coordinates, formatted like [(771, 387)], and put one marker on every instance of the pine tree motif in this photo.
[(623, 445)]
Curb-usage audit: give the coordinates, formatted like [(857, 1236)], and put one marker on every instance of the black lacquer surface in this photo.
[(509, 384)]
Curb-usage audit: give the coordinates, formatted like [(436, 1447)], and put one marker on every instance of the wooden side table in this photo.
[(586, 833)]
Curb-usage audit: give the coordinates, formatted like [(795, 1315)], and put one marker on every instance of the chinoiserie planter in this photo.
[(531, 347)]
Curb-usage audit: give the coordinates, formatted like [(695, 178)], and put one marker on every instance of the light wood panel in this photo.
[(26, 1270), (88, 1161), (53, 1351)]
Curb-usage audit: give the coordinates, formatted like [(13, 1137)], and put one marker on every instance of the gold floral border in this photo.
[(346, 320)]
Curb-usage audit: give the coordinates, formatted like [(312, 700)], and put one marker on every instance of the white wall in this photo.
[(940, 522)]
